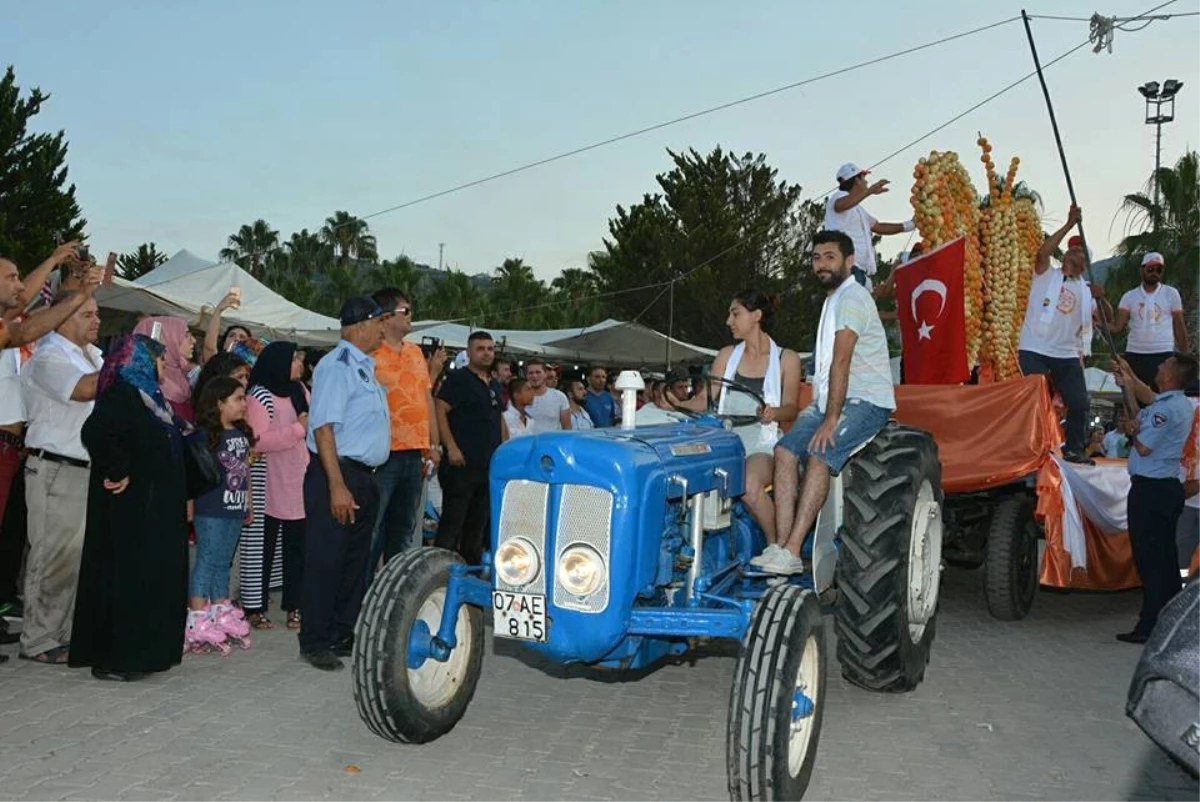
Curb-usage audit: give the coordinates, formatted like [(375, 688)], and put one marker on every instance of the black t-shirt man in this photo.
[(475, 414)]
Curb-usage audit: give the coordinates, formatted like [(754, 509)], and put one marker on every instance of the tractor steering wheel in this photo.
[(739, 419)]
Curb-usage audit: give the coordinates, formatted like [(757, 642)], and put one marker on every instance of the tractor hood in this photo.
[(617, 491)]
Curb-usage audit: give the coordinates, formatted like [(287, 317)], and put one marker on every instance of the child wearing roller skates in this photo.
[(214, 623)]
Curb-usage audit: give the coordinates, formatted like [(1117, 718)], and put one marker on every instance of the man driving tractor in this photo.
[(852, 400)]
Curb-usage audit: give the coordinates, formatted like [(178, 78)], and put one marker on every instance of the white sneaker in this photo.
[(784, 564), (768, 555)]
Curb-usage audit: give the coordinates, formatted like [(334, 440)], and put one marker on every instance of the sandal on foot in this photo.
[(293, 619), (56, 656), (260, 621)]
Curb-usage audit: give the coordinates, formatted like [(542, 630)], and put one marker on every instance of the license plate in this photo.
[(519, 615)]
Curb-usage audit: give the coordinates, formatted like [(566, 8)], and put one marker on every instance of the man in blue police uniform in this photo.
[(1158, 437), (349, 435)]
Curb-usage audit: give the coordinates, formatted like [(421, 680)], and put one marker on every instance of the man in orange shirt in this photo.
[(401, 369)]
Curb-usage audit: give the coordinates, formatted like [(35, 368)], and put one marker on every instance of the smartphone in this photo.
[(429, 345), (84, 254), (156, 331), (110, 267)]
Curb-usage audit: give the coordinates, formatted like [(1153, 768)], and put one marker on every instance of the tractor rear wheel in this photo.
[(400, 695), (778, 698), (1011, 568), (889, 566)]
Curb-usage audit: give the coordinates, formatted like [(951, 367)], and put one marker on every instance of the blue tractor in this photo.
[(618, 548)]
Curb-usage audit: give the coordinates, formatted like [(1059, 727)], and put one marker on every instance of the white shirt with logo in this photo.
[(545, 409), (1062, 336), (1151, 329), (855, 223)]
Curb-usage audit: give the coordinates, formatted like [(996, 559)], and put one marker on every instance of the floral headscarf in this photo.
[(174, 382), (249, 350), (132, 360)]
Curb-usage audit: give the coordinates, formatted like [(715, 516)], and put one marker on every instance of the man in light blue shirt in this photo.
[(349, 431), (1159, 435)]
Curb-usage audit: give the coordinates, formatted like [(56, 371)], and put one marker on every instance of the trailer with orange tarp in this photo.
[(995, 443)]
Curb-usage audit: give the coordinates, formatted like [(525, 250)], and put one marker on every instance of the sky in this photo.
[(187, 121)]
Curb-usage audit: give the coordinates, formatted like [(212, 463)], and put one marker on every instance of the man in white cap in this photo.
[(1154, 313), (844, 212)]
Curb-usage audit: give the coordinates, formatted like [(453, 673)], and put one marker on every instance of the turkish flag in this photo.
[(929, 305)]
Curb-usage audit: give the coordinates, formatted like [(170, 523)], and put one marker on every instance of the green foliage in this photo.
[(36, 203), (722, 223), (250, 246), (140, 262)]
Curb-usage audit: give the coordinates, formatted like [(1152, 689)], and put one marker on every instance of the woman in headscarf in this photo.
[(277, 410), (180, 346), (131, 605)]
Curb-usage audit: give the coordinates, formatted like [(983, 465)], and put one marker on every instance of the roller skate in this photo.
[(232, 622), (203, 635)]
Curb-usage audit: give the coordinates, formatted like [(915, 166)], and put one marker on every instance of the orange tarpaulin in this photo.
[(992, 434), (1109, 556), (987, 435)]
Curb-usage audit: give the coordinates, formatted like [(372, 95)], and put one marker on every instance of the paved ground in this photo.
[(1031, 710)]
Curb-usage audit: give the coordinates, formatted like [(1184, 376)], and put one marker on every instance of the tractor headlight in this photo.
[(517, 562), (581, 570)]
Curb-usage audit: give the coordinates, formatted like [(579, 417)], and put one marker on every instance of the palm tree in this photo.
[(519, 299), (1020, 190), (140, 262), (1170, 227), (576, 290), (401, 272), (350, 237), (248, 248), (456, 297)]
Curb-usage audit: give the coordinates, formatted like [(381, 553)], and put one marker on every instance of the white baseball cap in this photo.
[(850, 170), (1153, 258)]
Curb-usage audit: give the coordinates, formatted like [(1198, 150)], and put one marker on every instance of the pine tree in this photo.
[(36, 203)]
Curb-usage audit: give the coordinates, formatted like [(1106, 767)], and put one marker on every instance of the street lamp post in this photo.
[(1160, 108)]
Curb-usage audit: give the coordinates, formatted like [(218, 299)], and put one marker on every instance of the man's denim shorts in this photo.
[(859, 422)]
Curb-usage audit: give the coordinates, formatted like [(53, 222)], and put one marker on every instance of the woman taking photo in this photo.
[(180, 347), (131, 605), (758, 364), (277, 410)]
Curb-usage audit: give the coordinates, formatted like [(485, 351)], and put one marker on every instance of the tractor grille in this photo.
[(584, 516), (523, 513)]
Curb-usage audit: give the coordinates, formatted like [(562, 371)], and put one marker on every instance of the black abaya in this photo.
[(131, 608)]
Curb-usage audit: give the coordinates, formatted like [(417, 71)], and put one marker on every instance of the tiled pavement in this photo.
[(1028, 710)]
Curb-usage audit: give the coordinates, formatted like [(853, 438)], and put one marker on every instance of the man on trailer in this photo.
[(1058, 327), (844, 211)]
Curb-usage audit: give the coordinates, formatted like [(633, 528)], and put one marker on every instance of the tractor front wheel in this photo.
[(403, 693), (889, 567), (778, 698)]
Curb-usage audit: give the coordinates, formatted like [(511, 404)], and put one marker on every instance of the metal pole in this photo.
[(441, 247), (1157, 159), (670, 321), (1130, 402)]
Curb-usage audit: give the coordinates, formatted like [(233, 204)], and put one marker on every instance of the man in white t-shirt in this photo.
[(852, 400), (1058, 328), (844, 211), (1154, 313), (550, 410)]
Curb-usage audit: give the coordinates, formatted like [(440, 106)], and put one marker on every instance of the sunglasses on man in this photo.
[(1152, 269)]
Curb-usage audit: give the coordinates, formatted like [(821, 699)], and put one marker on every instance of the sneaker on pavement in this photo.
[(324, 659), (769, 554)]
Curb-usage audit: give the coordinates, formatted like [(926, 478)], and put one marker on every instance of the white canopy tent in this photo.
[(185, 284), (608, 342)]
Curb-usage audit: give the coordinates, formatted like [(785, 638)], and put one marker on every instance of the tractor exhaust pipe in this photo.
[(629, 383)]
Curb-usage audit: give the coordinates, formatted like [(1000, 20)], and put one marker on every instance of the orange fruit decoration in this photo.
[(946, 207)]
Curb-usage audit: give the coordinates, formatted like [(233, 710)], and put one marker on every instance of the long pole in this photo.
[(670, 322), (1130, 402), (1157, 156)]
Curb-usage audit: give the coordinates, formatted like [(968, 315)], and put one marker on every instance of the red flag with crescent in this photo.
[(929, 306)]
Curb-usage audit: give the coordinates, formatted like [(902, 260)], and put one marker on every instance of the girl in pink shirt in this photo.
[(277, 411)]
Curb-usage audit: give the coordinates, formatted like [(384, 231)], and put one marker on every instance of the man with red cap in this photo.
[(844, 212), (1058, 328), (1154, 313)]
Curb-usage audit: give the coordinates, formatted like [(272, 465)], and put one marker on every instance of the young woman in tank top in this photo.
[(757, 363)]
